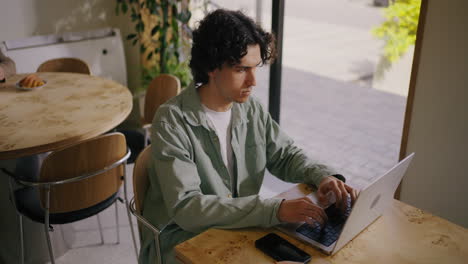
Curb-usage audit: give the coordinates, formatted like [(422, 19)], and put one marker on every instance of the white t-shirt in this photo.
[(222, 124)]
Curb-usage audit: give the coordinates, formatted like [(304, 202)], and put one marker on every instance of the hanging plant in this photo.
[(162, 31)]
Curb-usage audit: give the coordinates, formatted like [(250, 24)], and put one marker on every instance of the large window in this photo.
[(334, 102)]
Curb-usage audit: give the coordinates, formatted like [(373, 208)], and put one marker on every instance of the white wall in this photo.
[(438, 178), (25, 18)]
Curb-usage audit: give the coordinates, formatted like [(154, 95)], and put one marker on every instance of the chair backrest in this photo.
[(140, 178), (82, 158), (64, 65), (161, 89)]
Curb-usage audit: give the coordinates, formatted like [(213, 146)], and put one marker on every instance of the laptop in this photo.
[(342, 227)]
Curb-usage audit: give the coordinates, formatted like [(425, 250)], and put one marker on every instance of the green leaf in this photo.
[(175, 25), (124, 7), (134, 42), (153, 7), (149, 56), (140, 27), (131, 36), (142, 48), (155, 30)]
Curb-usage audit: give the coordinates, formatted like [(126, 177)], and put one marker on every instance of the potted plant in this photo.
[(399, 33), (161, 30)]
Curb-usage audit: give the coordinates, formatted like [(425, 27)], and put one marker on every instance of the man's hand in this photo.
[(301, 210), (339, 188)]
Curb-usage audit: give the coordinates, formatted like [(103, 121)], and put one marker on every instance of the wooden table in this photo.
[(404, 234), (70, 108)]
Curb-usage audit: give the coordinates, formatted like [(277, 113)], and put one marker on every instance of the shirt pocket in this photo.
[(255, 157)]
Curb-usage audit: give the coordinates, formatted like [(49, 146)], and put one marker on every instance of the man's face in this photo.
[(235, 83)]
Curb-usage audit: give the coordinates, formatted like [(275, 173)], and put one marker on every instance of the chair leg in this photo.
[(20, 217), (21, 238), (117, 222), (46, 230), (128, 213), (100, 229), (46, 225), (132, 230), (49, 244)]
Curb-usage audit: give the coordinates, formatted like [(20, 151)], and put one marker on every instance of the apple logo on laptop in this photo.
[(376, 200)]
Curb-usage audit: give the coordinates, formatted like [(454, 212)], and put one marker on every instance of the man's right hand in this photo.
[(301, 210)]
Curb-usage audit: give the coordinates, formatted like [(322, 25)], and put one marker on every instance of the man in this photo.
[(212, 143), (7, 67)]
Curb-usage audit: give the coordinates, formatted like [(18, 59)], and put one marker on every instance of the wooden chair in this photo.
[(74, 183), (64, 65), (140, 186), (161, 89)]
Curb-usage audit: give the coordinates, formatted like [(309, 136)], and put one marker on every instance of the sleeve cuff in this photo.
[(339, 177), (271, 211)]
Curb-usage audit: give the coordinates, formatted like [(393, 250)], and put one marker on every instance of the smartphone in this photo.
[(280, 249)]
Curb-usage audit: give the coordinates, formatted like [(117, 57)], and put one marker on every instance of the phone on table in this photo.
[(280, 249)]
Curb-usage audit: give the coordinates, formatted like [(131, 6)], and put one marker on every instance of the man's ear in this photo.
[(212, 74)]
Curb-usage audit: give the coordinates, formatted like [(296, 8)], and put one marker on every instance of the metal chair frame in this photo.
[(138, 192), (148, 225)]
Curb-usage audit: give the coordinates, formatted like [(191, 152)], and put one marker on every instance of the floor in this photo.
[(328, 107)]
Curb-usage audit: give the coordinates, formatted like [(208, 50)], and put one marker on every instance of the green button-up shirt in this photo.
[(191, 189)]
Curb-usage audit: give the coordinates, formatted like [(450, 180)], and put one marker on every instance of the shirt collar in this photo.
[(195, 115)]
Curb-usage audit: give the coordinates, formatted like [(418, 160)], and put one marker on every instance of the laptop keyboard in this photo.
[(328, 233)]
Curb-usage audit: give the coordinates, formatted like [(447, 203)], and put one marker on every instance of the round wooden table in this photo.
[(70, 108)]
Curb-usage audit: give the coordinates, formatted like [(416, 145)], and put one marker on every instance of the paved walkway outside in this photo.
[(328, 106), (355, 129)]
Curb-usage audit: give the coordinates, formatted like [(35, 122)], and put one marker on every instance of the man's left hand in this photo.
[(339, 188)]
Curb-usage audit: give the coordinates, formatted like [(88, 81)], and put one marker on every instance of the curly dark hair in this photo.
[(223, 37)]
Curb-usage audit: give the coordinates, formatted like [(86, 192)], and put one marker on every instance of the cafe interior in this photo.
[(75, 125)]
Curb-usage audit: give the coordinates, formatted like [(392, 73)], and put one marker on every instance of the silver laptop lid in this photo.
[(372, 202)]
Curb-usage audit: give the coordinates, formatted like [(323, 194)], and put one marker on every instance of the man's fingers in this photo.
[(344, 196), (323, 200), (354, 195), (319, 211), (312, 216), (316, 212), (353, 192), (338, 193)]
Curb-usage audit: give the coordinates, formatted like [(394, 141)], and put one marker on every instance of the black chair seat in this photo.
[(28, 204), (135, 142)]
